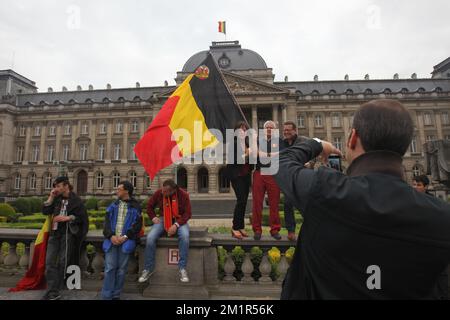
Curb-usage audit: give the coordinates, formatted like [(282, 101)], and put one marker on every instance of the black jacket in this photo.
[(234, 166), (351, 222), (78, 228)]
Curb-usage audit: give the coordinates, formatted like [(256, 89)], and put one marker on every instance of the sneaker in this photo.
[(291, 236), (276, 236), (51, 296), (257, 236), (183, 275), (146, 274), (54, 296)]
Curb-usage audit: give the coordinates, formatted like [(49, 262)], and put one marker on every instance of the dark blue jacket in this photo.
[(131, 227)]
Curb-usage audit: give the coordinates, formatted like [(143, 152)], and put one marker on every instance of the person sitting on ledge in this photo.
[(123, 223), (175, 207)]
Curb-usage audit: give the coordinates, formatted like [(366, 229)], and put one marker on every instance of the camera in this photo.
[(335, 162)]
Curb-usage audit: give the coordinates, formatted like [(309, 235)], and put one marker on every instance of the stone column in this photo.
[(58, 154), (43, 154), (310, 119), (421, 137), (328, 126), (213, 180), (191, 179), (439, 124), (275, 115), (73, 147), (255, 117), (283, 113), (27, 155), (108, 151), (142, 127), (90, 183), (125, 133), (93, 136)]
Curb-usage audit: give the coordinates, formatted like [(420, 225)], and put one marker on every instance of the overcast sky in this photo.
[(70, 43)]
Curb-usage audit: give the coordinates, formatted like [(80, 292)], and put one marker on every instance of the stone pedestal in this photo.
[(202, 268)]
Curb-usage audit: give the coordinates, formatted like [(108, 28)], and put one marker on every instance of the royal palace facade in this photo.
[(90, 134)]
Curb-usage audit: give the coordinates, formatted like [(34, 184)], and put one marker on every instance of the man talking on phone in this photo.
[(366, 234), (68, 229)]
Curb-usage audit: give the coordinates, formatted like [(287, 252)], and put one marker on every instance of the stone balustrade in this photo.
[(246, 272)]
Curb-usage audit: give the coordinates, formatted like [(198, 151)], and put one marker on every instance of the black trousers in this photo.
[(59, 251), (241, 186)]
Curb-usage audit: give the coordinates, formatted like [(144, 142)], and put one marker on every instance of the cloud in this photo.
[(58, 43)]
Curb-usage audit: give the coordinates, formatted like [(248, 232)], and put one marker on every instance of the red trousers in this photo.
[(261, 184)]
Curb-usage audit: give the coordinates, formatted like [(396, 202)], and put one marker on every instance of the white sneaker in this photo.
[(184, 275), (145, 276)]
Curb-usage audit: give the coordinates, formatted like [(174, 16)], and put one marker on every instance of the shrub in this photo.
[(105, 202), (290, 254), (7, 211), (144, 205), (35, 204), (22, 205), (91, 204), (96, 213), (35, 218), (98, 222)]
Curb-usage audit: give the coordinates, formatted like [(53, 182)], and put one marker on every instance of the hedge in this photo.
[(35, 218), (22, 205), (91, 204), (105, 202), (35, 204), (7, 212)]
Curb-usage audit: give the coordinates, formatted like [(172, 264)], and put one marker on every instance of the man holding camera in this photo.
[(367, 234), (68, 229)]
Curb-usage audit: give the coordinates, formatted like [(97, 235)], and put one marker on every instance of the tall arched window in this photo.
[(182, 178), (133, 178), (100, 180), (203, 180), (147, 182), (417, 171), (32, 181), (116, 179), (224, 182), (48, 181), (17, 181)]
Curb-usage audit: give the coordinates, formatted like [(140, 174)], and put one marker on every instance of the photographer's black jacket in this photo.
[(351, 222)]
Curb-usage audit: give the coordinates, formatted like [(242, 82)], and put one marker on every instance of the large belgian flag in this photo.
[(34, 278), (201, 103)]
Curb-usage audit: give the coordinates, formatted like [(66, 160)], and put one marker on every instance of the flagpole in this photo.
[(176, 174)]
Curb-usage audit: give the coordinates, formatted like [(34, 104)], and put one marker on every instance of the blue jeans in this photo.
[(155, 233), (116, 263), (289, 217)]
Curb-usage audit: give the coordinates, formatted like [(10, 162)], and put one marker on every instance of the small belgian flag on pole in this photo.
[(222, 27)]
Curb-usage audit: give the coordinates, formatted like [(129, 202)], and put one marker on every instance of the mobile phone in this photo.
[(335, 162)]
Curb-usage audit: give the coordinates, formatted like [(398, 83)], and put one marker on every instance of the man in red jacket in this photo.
[(175, 211)]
